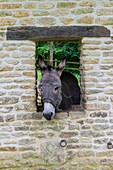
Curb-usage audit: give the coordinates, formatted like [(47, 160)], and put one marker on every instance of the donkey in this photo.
[(58, 89)]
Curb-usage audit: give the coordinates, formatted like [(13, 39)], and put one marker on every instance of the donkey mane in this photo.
[(49, 67)]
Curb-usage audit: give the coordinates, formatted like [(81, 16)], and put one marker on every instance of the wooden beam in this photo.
[(55, 33)]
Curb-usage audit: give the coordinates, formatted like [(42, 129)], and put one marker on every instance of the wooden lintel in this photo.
[(55, 33)]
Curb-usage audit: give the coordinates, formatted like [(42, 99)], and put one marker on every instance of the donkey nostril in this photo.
[(51, 114), (48, 116)]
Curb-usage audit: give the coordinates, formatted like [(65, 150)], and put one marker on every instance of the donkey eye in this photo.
[(56, 88)]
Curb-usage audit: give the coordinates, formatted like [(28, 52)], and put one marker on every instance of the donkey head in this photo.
[(50, 87)]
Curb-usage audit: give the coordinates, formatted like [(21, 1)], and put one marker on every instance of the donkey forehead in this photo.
[(50, 79)]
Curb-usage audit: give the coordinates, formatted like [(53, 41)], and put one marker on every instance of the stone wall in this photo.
[(28, 141)]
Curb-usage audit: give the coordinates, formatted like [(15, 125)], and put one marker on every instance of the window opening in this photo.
[(53, 53)]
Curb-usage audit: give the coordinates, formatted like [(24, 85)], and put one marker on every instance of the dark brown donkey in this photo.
[(58, 89)]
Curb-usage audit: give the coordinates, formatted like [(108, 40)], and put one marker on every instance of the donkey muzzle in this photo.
[(49, 111)]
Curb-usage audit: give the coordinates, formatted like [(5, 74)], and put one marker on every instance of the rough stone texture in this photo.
[(19, 73), (28, 141)]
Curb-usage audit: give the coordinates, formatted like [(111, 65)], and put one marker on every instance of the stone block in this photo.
[(28, 116), (10, 118), (15, 93), (46, 21), (89, 3), (86, 67), (90, 61), (104, 12), (68, 134), (104, 21), (91, 41), (58, 12), (73, 140), (46, 6), (24, 67), (20, 13), (27, 21), (107, 4), (98, 134), (7, 128), (108, 54), (73, 126), (7, 21), (93, 91), (106, 66), (29, 154), (66, 5), (86, 20), (10, 142), (100, 127), (6, 68), (97, 106), (90, 47), (8, 100), (29, 98), (90, 53), (10, 87), (29, 74), (106, 47), (26, 141), (107, 61), (7, 148), (10, 6), (86, 133), (21, 128), (109, 91), (6, 109), (10, 75), (85, 127), (40, 12), (25, 55), (85, 153), (27, 86), (25, 48), (99, 114), (29, 107), (30, 5), (10, 163), (5, 13), (49, 156), (67, 21), (101, 120), (81, 11), (12, 61)]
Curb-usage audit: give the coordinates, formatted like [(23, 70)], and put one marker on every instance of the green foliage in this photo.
[(61, 49), (42, 48), (69, 50)]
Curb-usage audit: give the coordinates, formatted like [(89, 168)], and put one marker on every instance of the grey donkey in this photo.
[(58, 89)]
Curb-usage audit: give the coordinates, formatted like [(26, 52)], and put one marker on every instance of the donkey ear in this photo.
[(42, 65), (61, 66)]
